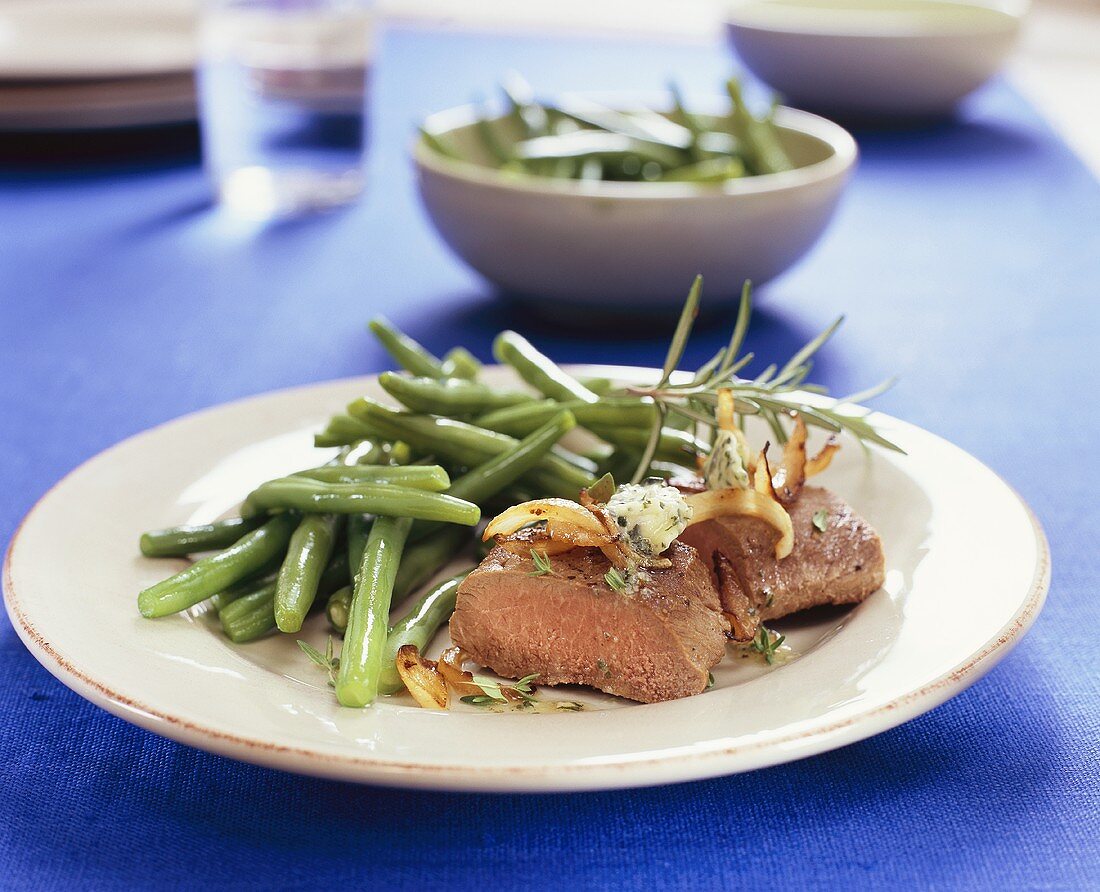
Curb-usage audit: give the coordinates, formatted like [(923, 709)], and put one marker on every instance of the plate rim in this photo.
[(629, 772)]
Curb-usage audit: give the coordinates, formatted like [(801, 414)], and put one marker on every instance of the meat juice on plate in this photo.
[(282, 86)]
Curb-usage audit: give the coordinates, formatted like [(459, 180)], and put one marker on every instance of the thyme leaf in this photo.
[(615, 580), (542, 564), (326, 660), (765, 645)]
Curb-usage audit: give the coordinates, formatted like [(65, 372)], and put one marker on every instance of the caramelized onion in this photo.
[(450, 667), (790, 477), (747, 503), (762, 475), (422, 677), (822, 460), (524, 545), (564, 520)]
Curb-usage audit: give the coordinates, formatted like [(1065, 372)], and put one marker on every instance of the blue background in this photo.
[(967, 256)]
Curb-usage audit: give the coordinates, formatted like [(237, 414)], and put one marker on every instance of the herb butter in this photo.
[(727, 465), (650, 515)]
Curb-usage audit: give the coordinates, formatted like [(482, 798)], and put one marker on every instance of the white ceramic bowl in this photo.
[(632, 247), (874, 57)]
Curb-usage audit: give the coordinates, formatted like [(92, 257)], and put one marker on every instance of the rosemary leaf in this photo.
[(683, 330)]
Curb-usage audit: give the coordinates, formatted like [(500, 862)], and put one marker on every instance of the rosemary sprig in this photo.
[(774, 394)]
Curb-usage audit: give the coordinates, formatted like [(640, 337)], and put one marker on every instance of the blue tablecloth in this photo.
[(967, 256)]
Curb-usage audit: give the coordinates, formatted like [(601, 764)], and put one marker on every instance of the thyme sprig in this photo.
[(494, 695), (615, 580), (327, 660), (542, 564), (774, 394), (765, 645)]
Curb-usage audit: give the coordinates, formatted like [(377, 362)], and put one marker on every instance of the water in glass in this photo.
[(283, 99)]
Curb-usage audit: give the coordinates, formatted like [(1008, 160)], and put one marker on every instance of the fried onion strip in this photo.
[(422, 677), (450, 667), (745, 502), (824, 457)]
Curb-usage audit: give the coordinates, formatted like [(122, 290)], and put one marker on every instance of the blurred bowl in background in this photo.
[(630, 247), (901, 58)]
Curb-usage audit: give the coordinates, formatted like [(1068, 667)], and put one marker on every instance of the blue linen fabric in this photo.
[(966, 256)]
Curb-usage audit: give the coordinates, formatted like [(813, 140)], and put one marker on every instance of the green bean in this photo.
[(674, 444), (341, 430), (220, 600), (712, 170), (336, 574), (559, 473), (367, 452), (365, 639), (423, 559), (599, 386), (358, 530), (313, 497), (336, 610), (459, 362), (307, 556), (539, 370), (756, 139), (420, 562), (531, 116), (255, 615), (184, 540), (251, 616), (688, 121), (613, 412), (392, 454), (428, 477), (452, 396), (408, 354), (418, 627), (439, 144), (647, 126), (623, 421), (219, 571), (491, 141), (486, 480), (592, 144)]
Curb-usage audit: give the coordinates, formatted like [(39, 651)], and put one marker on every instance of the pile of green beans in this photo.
[(374, 525), (579, 139)]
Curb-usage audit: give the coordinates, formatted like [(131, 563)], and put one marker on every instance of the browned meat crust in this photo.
[(841, 565), (657, 643)]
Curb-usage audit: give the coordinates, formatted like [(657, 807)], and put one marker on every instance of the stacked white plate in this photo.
[(80, 64)]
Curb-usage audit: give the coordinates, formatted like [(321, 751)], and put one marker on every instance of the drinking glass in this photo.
[(283, 103)]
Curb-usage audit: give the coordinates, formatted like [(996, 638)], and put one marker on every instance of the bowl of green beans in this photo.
[(611, 205)]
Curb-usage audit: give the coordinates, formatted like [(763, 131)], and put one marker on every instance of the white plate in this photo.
[(967, 564), (42, 39), (85, 105)]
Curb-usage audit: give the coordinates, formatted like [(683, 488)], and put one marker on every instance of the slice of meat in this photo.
[(841, 565), (571, 627)]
